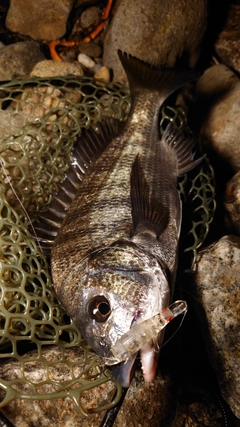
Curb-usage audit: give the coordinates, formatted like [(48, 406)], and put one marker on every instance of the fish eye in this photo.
[(99, 308)]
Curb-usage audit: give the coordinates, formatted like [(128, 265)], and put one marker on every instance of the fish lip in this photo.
[(124, 371), (148, 357)]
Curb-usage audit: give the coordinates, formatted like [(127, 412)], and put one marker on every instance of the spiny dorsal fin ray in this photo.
[(88, 148), (144, 76), (183, 146)]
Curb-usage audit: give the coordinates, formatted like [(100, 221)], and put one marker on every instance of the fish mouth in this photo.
[(148, 357)]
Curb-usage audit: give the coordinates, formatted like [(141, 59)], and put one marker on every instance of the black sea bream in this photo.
[(114, 259)]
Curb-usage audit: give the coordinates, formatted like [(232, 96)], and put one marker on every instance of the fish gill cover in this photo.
[(39, 122)]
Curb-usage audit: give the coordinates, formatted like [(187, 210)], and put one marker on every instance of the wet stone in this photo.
[(217, 109), (91, 49), (218, 290), (232, 204), (227, 46), (90, 18), (50, 68), (140, 407), (41, 20), (10, 122), (145, 404), (56, 412), (146, 30), (18, 59)]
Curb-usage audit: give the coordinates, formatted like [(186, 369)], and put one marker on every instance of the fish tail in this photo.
[(165, 81)]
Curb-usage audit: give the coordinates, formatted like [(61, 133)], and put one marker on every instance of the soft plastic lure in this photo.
[(142, 333)]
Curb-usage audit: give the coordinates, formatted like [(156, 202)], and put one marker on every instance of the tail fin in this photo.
[(144, 76)]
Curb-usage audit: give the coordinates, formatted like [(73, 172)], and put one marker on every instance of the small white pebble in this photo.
[(86, 60)]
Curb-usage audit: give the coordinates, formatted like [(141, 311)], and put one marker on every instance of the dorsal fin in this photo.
[(88, 148), (183, 146), (144, 76)]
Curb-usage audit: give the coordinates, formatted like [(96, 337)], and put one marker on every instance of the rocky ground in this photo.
[(198, 384)]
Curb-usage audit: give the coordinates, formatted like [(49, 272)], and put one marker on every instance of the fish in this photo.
[(114, 226)]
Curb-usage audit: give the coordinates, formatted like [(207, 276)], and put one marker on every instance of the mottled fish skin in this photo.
[(114, 259)]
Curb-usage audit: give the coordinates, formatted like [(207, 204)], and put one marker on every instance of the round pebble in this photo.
[(91, 49), (103, 73), (49, 68), (85, 60)]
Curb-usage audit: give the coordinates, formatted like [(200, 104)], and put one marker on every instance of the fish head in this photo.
[(122, 287)]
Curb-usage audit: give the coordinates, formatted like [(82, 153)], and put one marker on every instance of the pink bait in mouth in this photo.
[(140, 337), (149, 359)]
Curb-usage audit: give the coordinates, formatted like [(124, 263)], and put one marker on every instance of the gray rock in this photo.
[(232, 203), (50, 68), (156, 32), (54, 413), (217, 108), (10, 122), (141, 405), (57, 412), (91, 49), (90, 18), (227, 45), (217, 280), (41, 20), (155, 404), (145, 404), (18, 59)]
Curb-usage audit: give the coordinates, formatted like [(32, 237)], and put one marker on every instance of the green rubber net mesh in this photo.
[(39, 122)]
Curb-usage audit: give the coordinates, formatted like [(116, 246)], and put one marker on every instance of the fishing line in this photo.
[(192, 295), (224, 407), (21, 204), (111, 414), (5, 422), (169, 339)]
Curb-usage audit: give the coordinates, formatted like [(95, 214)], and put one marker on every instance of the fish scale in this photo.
[(106, 193), (105, 201)]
